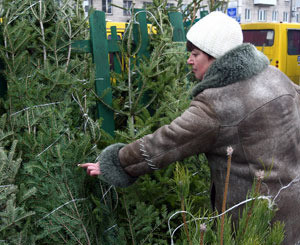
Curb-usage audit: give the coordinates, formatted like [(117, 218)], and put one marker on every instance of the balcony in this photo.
[(265, 2)]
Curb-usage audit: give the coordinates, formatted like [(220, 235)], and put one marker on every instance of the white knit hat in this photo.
[(215, 34)]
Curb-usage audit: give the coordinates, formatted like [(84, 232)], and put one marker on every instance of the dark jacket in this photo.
[(241, 102)]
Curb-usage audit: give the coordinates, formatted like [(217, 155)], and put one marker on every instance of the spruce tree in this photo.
[(47, 111)]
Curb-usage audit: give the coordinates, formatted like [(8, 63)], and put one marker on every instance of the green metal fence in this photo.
[(102, 48)]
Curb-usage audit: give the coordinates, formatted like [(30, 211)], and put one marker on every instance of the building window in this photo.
[(247, 14), (275, 15), (262, 15), (86, 7), (183, 7), (298, 18), (127, 7), (106, 6), (147, 4), (285, 16), (169, 5)]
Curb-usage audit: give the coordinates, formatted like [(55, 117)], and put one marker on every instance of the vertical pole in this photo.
[(3, 81), (116, 55), (140, 33), (102, 77), (178, 29), (141, 38)]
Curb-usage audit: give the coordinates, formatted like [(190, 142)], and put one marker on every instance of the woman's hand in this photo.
[(92, 169)]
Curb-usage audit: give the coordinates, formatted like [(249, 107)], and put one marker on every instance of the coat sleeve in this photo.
[(195, 131)]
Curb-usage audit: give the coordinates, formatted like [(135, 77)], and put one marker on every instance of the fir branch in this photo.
[(33, 107), (61, 206), (17, 15), (69, 33), (82, 225), (183, 224), (115, 225), (268, 198), (5, 186), (40, 18), (108, 106), (66, 3), (53, 143), (69, 215), (72, 233), (148, 104), (129, 221)]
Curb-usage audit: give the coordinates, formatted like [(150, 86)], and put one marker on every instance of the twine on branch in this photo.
[(297, 179), (106, 192), (36, 106), (85, 115), (75, 200), (271, 203), (186, 212), (18, 15), (83, 110), (53, 143), (53, 211), (110, 228), (213, 217), (147, 12), (5, 186)]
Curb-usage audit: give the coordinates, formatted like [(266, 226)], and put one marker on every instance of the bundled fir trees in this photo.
[(45, 105)]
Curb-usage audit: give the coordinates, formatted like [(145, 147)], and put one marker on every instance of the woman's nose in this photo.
[(189, 61)]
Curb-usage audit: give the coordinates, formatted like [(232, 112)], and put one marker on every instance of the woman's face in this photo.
[(200, 62)]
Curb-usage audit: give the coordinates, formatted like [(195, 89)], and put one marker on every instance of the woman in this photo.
[(240, 101)]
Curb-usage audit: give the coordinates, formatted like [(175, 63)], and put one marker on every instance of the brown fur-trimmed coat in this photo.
[(241, 102)]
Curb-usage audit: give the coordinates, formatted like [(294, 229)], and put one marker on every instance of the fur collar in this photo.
[(237, 65)]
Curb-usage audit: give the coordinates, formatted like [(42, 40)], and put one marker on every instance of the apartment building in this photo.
[(117, 14), (268, 10), (245, 11)]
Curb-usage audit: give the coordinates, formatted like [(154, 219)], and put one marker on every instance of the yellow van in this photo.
[(121, 26), (280, 42)]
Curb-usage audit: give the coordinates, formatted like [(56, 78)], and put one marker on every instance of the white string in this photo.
[(106, 192), (83, 80), (136, 22), (110, 228), (84, 112), (147, 12), (73, 200), (172, 234), (268, 198), (53, 143), (213, 217), (21, 78), (17, 16), (4, 186), (36, 106), (297, 179), (53, 103)]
